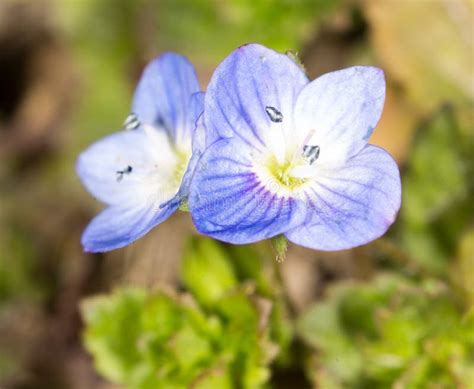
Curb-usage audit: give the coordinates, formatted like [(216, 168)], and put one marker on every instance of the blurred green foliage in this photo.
[(231, 325), (17, 278), (389, 331), (209, 286), (117, 30), (438, 188), (462, 271), (224, 336), (152, 340), (221, 26), (392, 332)]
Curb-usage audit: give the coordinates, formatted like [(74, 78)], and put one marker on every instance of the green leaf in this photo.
[(217, 377), (207, 271), (152, 340), (249, 265), (389, 332), (113, 331), (190, 348)]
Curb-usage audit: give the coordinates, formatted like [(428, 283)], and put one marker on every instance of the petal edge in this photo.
[(353, 205)]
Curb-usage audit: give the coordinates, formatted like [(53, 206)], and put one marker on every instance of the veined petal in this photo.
[(116, 226), (340, 111), (129, 168), (228, 202), (195, 110), (163, 92), (252, 95), (199, 141), (351, 205)]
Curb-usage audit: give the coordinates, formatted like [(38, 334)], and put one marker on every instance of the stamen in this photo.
[(300, 150), (311, 153), (274, 114), (120, 173), (131, 122)]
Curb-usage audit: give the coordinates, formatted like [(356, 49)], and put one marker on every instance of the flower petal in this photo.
[(228, 202), (129, 167), (198, 147), (163, 92), (351, 205), (341, 110), (195, 110), (251, 96), (116, 227)]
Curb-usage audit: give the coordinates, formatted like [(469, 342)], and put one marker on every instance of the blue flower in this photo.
[(284, 155), (138, 172)]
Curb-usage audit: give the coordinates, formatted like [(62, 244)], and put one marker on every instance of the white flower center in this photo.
[(290, 162), (166, 167), (288, 178)]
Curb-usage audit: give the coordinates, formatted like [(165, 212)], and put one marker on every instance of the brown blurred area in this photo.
[(43, 208)]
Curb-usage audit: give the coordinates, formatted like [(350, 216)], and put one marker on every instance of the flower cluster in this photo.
[(264, 152)]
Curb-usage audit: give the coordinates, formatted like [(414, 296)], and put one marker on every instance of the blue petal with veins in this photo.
[(138, 172), (293, 157)]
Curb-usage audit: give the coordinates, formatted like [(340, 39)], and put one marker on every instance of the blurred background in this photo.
[(397, 313)]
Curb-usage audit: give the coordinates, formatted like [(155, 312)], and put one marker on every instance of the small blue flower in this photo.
[(284, 155), (138, 172)]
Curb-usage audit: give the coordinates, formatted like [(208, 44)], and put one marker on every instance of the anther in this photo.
[(131, 122), (120, 173), (311, 153), (274, 114)]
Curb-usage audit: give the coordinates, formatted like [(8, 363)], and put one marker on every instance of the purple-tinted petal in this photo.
[(352, 205), (341, 110), (251, 95), (198, 146), (116, 227), (163, 92), (228, 202), (195, 110)]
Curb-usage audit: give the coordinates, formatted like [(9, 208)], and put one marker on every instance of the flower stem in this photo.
[(280, 244)]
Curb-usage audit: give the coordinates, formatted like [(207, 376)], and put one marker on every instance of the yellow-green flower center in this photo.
[(281, 172), (182, 160)]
